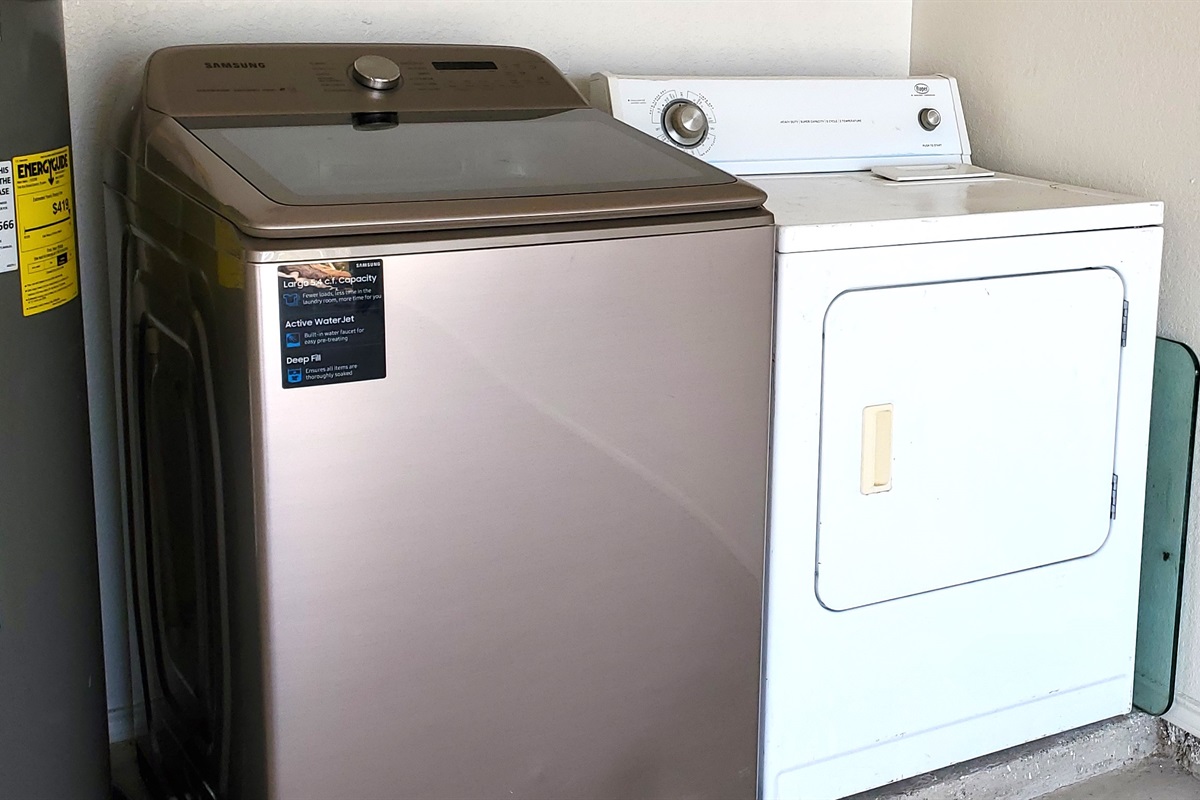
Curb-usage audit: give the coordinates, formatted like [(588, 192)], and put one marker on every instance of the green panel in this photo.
[(1168, 478)]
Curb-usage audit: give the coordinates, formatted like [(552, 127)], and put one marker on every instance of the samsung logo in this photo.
[(234, 65)]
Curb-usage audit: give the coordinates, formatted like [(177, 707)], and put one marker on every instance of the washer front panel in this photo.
[(538, 538)]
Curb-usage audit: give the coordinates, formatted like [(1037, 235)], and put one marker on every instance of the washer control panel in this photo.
[(755, 126), (335, 80)]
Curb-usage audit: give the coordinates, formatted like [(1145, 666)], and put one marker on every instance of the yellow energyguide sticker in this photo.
[(45, 229)]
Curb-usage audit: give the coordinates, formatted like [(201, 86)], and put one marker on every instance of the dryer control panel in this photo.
[(756, 126)]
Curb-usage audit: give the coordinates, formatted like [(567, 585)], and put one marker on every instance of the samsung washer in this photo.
[(445, 413), (962, 394)]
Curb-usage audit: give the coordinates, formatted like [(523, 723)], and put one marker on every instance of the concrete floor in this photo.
[(1154, 779)]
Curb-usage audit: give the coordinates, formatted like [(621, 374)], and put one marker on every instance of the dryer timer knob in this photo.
[(929, 118), (685, 123), (376, 72)]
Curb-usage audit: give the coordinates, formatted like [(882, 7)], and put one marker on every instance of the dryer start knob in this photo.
[(929, 118), (685, 123), (376, 72)]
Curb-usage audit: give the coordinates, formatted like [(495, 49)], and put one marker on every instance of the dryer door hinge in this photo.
[(1112, 509), (1124, 322)]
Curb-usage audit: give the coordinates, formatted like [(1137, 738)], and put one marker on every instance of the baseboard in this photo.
[(1185, 713)]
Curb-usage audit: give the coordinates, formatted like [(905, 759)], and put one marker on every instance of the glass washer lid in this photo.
[(576, 151)]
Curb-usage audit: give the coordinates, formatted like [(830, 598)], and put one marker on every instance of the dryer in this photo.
[(961, 403)]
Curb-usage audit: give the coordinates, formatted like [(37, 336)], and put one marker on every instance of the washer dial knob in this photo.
[(376, 72), (685, 123), (929, 118)]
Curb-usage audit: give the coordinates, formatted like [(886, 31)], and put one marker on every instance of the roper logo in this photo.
[(234, 65), (47, 167), (922, 88)]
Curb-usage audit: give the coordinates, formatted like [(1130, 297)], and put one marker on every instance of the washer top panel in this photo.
[(315, 140)]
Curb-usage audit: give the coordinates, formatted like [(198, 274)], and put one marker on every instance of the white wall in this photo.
[(1101, 93), (108, 40)]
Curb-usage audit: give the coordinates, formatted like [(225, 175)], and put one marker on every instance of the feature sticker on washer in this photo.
[(45, 230), (331, 323), (8, 219)]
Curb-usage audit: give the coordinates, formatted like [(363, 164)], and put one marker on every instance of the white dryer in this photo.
[(962, 394)]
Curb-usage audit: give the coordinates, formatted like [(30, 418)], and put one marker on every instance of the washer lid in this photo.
[(308, 140), (451, 157), (838, 211)]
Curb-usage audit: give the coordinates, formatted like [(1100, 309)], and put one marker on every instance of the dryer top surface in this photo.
[(835, 211)]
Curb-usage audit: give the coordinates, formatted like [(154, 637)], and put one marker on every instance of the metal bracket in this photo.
[(1112, 509)]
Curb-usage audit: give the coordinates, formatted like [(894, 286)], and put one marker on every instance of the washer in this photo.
[(446, 405), (962, 387)]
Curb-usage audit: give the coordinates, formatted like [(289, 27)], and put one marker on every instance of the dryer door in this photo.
[(960, 422)]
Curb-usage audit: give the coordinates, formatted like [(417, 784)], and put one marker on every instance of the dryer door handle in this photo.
[(877, 449)]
